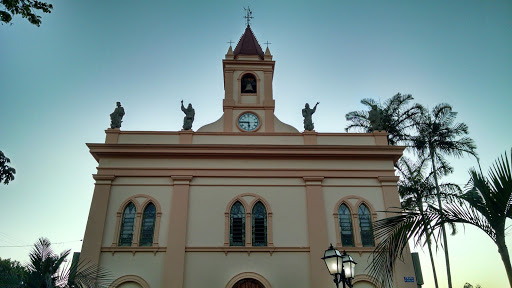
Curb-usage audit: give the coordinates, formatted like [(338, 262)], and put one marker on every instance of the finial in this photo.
[(268, 43), (248, 15), (230, 42)]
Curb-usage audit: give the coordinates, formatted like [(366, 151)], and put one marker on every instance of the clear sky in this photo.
[(60, 82)]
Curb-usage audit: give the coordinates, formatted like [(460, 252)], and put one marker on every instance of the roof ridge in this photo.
[(248, 44)]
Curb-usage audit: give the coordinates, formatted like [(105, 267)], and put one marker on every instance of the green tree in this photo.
[(24, 8), (438, 136), (412, 222), (46, 270), (12, 273), (487, 206), (6, 171), (396, 117)]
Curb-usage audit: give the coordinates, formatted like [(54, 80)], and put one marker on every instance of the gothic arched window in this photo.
[(147, 229), (365, 226), (259, 225), (248, 84), (237, 225), (127, 225), (345, 220)]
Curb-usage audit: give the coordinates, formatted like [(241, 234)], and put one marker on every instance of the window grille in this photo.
[(345, 221), (237, 225), (148, 225), (127, 225), (259, 225), (365, 226)]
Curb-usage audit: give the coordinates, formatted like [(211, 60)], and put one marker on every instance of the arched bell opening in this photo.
[(249, 84)]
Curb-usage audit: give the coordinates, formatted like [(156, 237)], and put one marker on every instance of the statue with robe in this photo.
[(307, 113), (375, 116), (189, 116), (116, 118)]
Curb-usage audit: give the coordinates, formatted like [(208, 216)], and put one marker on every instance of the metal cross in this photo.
[(248, 16), (230, 42), (267, 43)]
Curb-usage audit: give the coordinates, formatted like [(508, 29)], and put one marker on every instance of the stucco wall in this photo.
[(124, 188), (281, 269), (146, 265)]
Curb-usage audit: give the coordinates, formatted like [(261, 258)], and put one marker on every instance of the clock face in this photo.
[(248, 121)]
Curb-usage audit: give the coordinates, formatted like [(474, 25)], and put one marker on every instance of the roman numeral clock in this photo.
[(248, 121)]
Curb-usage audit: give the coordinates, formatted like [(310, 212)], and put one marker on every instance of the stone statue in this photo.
[(375, 117), (307, 113), (116, 118), (189, 116)]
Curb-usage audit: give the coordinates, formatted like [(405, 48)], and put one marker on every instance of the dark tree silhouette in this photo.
[(24, 8), (6, 171)]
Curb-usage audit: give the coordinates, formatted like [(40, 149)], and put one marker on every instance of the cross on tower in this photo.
[(268, 43), (248, 15), (230, 42)]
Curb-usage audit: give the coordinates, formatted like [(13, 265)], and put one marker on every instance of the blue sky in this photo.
[(60, 82)]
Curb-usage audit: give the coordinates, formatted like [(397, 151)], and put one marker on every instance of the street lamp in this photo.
[(341, 266)]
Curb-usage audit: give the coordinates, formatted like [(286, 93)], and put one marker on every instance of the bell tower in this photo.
[(248, 74), (248, 102)]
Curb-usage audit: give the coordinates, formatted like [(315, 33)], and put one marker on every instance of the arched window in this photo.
[(248, 84), (259, 225), (248, 283), (237, 225), (345, 220), (127, 225), (365, 226), (147, 229)]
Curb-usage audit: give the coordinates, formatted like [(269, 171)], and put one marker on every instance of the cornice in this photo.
[(245, 151)]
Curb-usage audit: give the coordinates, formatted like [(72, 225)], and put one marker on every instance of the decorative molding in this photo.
[(248, 250), (248, 221), (133, 249), (129, 278), (139, 208), (248, 151), (250, 275)]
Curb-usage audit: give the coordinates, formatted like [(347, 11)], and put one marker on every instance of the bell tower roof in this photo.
[(248, 44)]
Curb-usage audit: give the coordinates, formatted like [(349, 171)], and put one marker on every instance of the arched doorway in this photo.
[(248, 283)]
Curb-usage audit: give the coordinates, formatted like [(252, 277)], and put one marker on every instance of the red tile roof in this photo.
[(248, 45)]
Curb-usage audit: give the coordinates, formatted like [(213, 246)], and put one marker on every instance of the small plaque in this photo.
[(409, 279)]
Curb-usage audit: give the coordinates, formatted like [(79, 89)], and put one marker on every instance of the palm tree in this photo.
[(46, 270), (487, 206), (44, 265), (412, 221), (438, 136), (396, 117)]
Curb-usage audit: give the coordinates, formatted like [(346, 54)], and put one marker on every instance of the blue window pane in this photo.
[(147, 230), (345, 221), (237, 225), (365, 226), (259, 225), (127, 225)]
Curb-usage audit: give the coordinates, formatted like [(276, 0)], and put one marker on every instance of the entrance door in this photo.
[(248, 283)]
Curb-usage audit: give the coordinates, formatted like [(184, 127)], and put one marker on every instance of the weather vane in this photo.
[(248, 15)]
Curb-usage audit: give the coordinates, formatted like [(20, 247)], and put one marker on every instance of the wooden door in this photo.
[(248, 283)]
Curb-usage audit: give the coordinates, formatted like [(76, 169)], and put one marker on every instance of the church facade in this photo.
[(246, 201)]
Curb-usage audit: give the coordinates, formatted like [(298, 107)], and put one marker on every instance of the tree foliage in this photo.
[(12, 273), (25, 8), (487, 205), (397, 115), (417, 189), (47, 269), (6, 171)]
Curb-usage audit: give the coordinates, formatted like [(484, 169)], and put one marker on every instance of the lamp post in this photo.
[(341, 266)]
